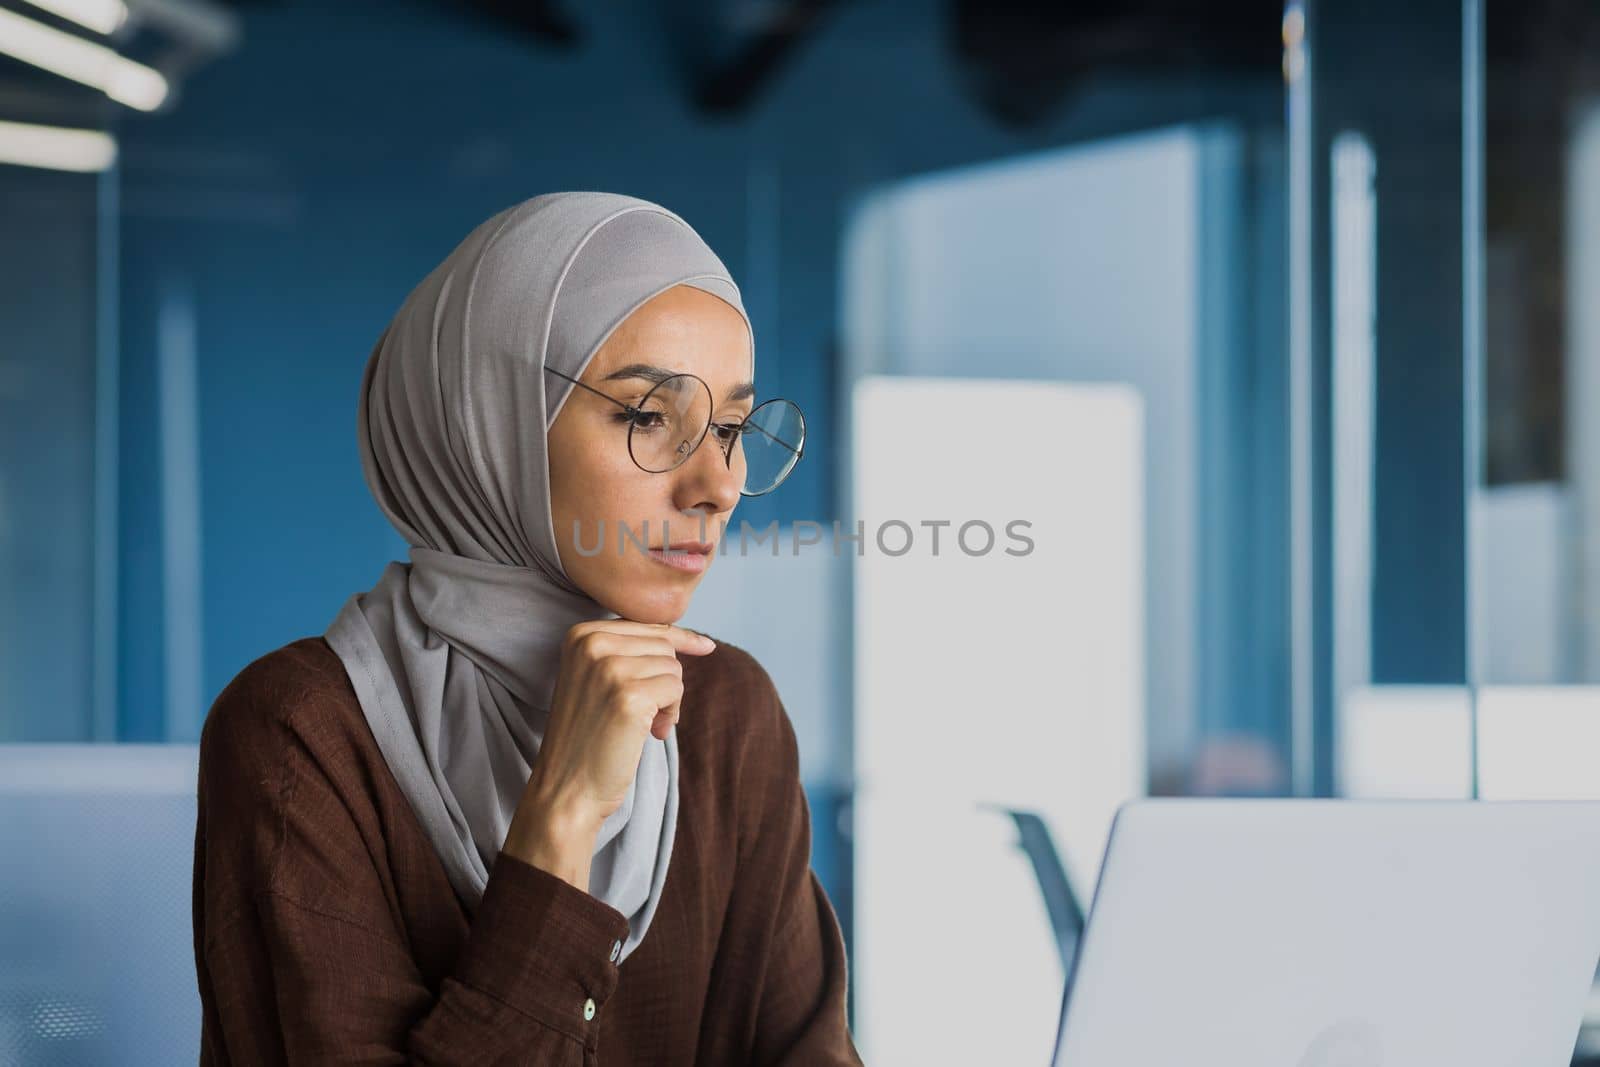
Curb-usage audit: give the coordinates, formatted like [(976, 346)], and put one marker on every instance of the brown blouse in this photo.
[(326, 930)]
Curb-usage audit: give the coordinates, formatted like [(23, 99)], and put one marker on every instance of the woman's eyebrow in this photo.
[(651, 372)]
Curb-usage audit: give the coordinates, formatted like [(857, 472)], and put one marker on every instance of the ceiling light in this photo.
[(56, 147), (93, 64), (101, 16)]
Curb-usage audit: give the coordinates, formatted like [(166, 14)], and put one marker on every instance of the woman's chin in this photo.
[(657, 603)]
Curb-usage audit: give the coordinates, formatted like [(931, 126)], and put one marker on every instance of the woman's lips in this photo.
[(682, 559)]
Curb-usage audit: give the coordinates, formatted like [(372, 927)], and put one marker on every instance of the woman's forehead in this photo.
[(681, 330)]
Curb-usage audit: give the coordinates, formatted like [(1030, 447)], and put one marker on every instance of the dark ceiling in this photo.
[(1020, 60)]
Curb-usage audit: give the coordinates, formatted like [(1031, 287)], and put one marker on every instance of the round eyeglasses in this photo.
[(667, 426)]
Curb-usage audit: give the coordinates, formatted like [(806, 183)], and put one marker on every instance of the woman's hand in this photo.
[(619, 680)]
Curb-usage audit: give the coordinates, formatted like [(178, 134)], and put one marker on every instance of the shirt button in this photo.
[(588, 1008), (616, 950)]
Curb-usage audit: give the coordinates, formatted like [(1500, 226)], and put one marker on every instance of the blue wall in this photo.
[(306, 182)]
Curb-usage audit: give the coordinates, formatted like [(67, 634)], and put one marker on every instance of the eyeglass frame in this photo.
[(727, 454)]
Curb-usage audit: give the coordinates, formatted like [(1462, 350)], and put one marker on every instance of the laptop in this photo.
[(1338, 933)]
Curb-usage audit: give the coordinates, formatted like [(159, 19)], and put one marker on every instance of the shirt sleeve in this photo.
[(780, 911), (300, 955)]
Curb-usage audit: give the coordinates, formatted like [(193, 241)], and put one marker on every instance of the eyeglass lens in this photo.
[(676, 414)]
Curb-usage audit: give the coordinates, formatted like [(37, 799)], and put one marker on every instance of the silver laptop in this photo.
[(1338, 933)]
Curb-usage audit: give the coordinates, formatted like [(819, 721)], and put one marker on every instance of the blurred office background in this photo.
[(1279, 326)]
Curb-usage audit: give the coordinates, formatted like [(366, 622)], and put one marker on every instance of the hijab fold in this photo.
[(454, 654)]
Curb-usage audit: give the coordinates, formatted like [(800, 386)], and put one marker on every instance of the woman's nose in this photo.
[(708, 479)]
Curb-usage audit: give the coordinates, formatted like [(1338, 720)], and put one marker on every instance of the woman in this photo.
[(503, 810)]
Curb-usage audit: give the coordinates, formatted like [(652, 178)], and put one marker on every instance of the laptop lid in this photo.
[(1338, 933)]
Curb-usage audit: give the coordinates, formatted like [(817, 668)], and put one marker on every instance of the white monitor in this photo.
[(1539, 742), (96, 936), (986, 677)]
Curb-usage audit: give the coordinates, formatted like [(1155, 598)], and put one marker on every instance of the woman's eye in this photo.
[(644, 420), (729, 431)]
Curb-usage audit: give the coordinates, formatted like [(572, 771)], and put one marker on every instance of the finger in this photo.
[(682, 638), (666, 718), (630, 669), (603, 643), (692, 641), (660, 693)]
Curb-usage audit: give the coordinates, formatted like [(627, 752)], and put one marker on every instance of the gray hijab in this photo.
[(454, 656)]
